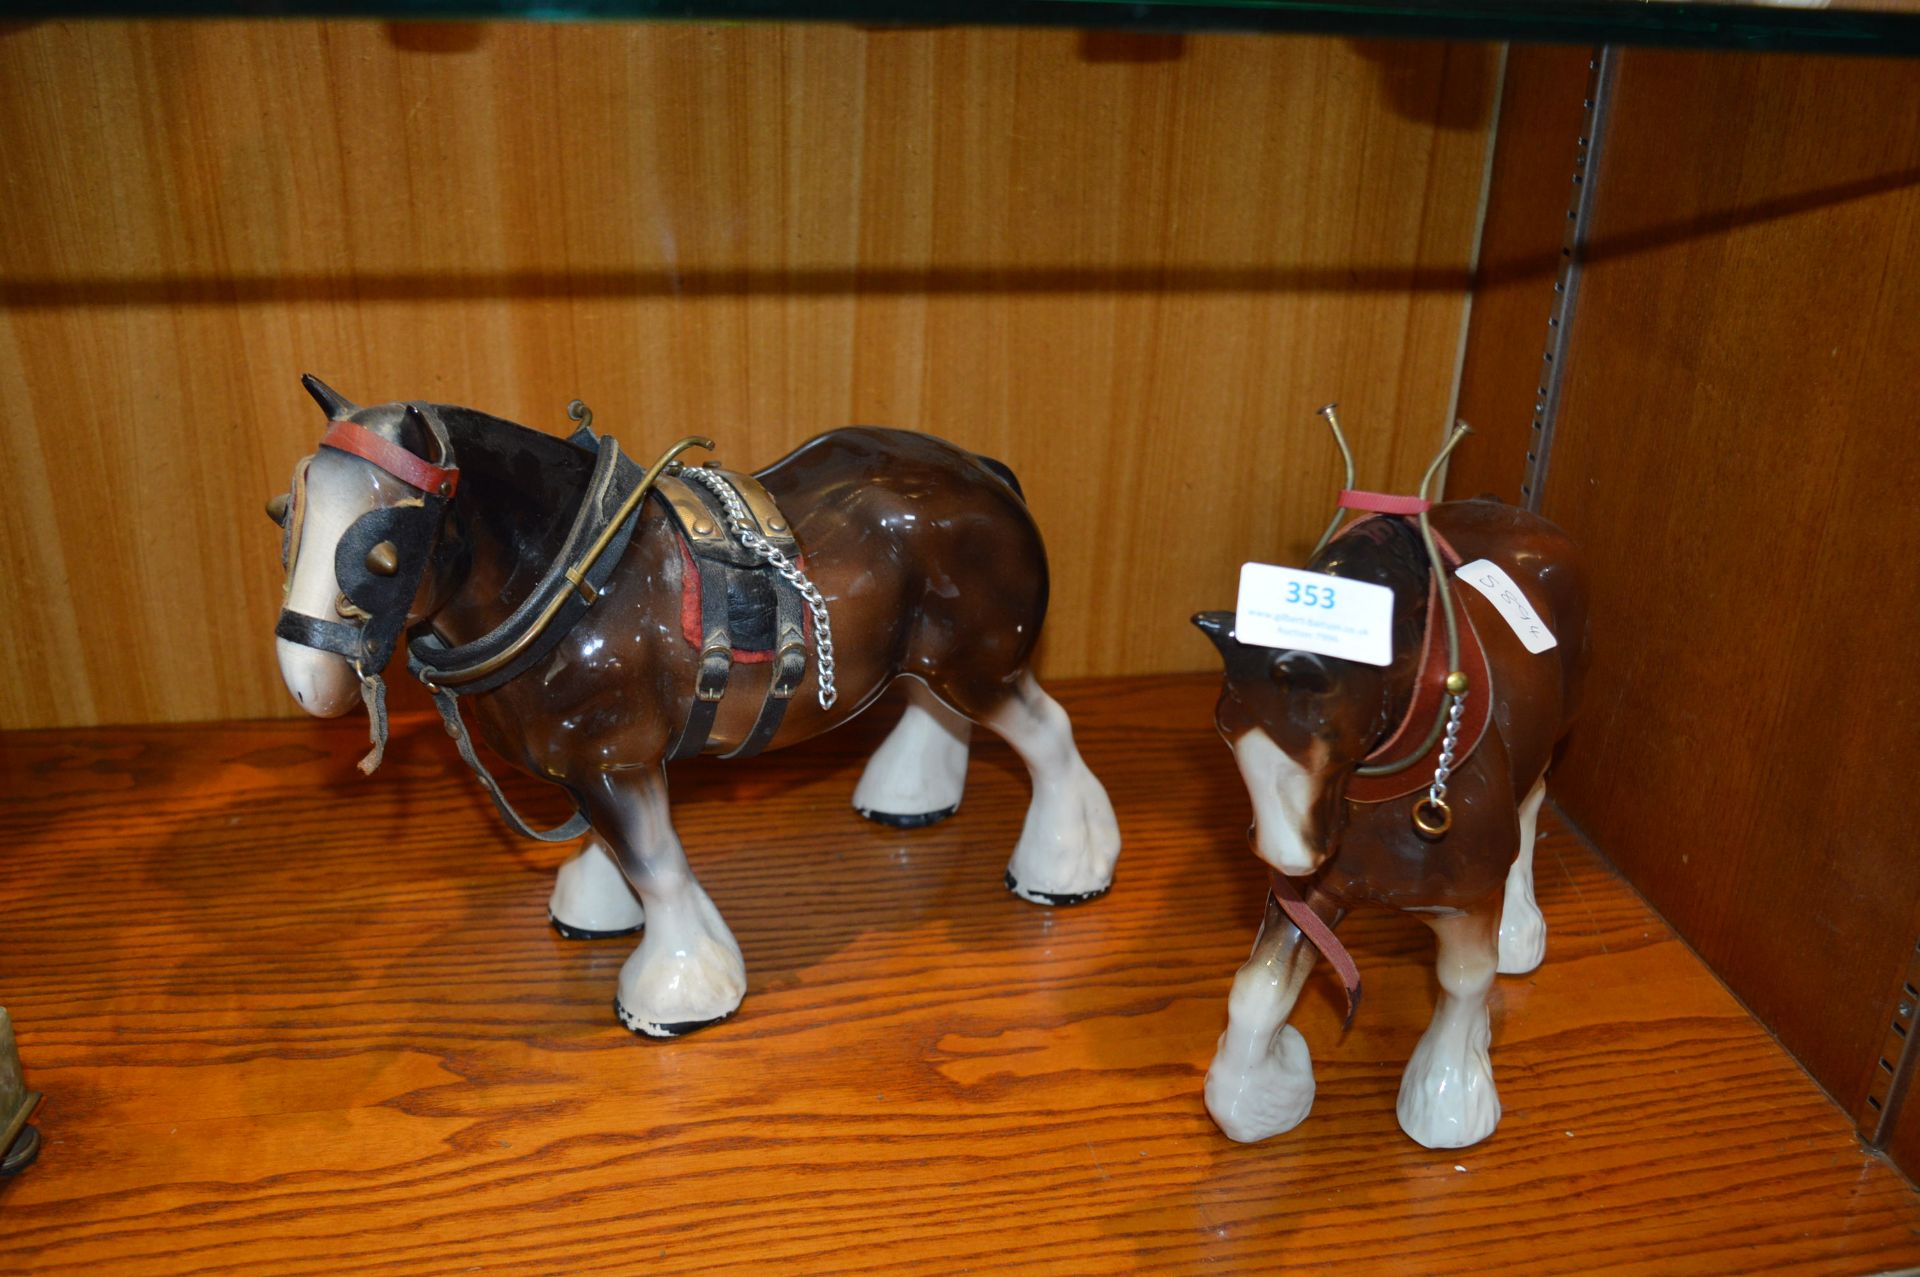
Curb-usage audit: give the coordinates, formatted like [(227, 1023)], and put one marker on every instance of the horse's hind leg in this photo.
[(687, 972), (1261, 1079), (1071, 839), (591, 899), (917, 775), (1447, 1098), (1523, 931)]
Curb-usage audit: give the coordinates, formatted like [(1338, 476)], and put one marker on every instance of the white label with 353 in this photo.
[(1313, 612), (1487, 577)]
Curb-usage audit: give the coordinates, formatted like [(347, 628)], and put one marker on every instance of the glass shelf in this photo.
[(1889, 27)]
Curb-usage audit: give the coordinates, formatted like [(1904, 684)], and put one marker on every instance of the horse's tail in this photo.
[(1005, 472)]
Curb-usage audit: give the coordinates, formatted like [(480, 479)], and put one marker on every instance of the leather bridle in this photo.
[(380, 560)]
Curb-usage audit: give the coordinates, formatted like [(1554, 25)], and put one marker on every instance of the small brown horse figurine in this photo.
[(922, 555), (1302, 725)]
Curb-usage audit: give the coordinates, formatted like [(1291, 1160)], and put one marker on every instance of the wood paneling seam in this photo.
[(1478, 246)]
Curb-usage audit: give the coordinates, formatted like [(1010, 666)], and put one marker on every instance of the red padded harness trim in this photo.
[(346, 436), (1382, 502), (1429, 693), (690, 605)]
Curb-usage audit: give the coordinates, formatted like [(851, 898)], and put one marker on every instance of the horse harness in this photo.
[(1403, 763), (735, 606), (1452, 664), (746, 597)]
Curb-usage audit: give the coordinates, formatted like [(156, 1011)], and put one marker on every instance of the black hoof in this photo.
[(920, 821), (1052, 899), (581, 933), (26, 1147), (662, 1032)]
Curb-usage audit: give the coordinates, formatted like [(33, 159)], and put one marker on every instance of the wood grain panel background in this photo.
[(1130, 268), (1737, 451), (1529, 189)]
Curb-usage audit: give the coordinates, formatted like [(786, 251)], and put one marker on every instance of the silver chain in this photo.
[(1437, 792), (749, 534)]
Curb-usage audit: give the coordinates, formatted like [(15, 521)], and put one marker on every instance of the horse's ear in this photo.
[(336, 405), (1217, 626), (420, 436)]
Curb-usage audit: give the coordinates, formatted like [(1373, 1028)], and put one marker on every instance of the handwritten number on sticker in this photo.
[(1320, 596)]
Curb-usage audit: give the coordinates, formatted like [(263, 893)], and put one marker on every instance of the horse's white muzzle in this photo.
[(337, 490), (322, 682), (1283, 793)]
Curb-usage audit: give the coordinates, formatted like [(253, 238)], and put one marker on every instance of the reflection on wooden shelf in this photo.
[(322, 1019)]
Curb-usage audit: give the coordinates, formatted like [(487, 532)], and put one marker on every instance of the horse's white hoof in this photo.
[(918, 775), (1069, 844), (667, 991), (1447, 1097), (1523, 938), (1253, 1099), (591, 899)]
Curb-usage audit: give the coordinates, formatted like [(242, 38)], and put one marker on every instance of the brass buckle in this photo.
[(789, 671), (710, 684)]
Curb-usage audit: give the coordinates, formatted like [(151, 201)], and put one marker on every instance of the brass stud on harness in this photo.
[(1456, 684), (383, 559), (278, 506)]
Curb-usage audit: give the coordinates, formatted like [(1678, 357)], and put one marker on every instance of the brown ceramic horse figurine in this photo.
[(923, 555), (1301, 725)]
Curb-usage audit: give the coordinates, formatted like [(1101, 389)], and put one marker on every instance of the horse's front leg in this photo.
[(1447, 1098), (1261, 1079), (687, 972), (917, 775), (592, 899)]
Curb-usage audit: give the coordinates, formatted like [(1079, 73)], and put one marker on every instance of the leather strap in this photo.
[(357, 440), (1430, 691), (789, 668), (449, 706), (1429, 695), (1382, 502), (311, 631), (716, 657), (1319, 935), (433, 661)]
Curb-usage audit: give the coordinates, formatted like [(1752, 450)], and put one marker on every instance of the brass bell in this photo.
[(383, 559), (19, 1143), (277, 507)]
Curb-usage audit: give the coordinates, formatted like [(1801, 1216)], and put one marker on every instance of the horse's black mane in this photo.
[(521, 485), (1386, 551)]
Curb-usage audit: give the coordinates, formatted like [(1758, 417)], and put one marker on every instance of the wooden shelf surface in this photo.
[(289, 1020)]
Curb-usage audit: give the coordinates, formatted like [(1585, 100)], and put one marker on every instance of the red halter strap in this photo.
[(439, 481), (1318, 934), (1382, 502)]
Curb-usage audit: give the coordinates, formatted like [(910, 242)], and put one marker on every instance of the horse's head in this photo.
[(359, 526), (1298, 725)]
